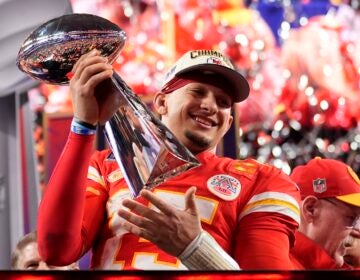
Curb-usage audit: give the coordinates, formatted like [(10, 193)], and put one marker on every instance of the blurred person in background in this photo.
[(330, 209), (26, 256)]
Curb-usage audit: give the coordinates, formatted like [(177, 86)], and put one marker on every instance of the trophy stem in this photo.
[(145, 149)]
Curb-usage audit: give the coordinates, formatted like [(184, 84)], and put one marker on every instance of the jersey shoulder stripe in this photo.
[(278, 202), (93, 174)]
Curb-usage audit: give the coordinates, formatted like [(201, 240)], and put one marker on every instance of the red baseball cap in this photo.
[(325, 178)]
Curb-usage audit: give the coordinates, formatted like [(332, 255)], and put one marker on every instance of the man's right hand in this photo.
[(94, 97)]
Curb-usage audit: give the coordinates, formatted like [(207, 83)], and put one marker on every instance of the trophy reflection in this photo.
[(146, 150)]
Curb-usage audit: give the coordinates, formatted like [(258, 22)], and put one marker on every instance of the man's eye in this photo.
[(32, 266), (351, 219), (224, 103), (197, 91)]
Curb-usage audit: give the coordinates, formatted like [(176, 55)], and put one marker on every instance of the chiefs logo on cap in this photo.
[(215, 60), (353, 175)]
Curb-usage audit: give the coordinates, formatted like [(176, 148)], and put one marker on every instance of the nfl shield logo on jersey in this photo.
[(319, 185)]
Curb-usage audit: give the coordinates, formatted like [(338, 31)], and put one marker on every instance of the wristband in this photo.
[(83, 128), (191, 247), (85, 124), (204, 253)]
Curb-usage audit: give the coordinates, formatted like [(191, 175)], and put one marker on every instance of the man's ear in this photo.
[(231, 119), (310, 208), (159, 103)]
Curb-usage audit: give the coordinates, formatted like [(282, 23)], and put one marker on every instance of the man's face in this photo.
[(29, 259), (334, 226), (198, 114)]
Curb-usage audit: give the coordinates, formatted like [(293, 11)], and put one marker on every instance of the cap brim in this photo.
[(240, 84), (353, 199)]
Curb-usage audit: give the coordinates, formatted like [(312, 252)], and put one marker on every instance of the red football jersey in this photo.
[(238, 200)]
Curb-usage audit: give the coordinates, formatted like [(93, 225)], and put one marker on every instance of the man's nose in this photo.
[(209, 102), (43, 266)]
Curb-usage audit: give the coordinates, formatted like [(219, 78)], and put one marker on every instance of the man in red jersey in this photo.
[(330, 209), (244, 214)]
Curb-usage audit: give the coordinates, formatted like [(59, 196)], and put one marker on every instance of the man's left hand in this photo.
[(171, 229)]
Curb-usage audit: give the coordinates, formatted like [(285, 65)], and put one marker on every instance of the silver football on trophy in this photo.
[(146, 150), (50, 51)]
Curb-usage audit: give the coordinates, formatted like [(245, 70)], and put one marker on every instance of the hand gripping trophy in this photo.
[(146, 151)]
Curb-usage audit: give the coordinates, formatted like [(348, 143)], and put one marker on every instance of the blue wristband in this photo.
[(87, 125), (79, 128)]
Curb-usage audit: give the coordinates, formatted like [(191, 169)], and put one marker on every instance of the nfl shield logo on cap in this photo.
[(319, 185)]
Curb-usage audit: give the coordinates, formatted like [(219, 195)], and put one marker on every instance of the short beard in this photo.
[(201, 142)]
